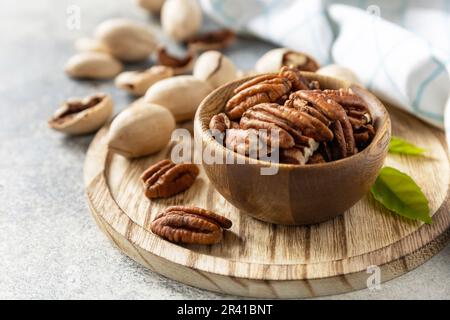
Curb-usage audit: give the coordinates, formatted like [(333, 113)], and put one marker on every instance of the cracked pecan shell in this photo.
[(190, 225), (262, 89), (165, 178)]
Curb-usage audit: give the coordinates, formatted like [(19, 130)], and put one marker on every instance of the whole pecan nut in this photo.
[(165, 178), (190, 225)]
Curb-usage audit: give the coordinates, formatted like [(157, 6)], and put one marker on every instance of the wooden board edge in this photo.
[(257, 288)]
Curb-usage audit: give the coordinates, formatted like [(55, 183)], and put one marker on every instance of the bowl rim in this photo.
[(385, 125)]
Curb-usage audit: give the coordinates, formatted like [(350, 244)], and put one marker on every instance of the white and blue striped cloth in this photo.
[(399, 49)]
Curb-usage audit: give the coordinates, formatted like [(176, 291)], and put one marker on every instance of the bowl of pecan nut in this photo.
[(330, 136)]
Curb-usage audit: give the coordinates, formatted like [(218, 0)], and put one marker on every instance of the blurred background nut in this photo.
[(181, 95), (93, 65), (215, 69), (89, 44), (178, 65), (153, 6), (213, 40), (82, 116), (127, 40), (137, 82), (274, 59), (141, 130), (336, 71), (181, 19)]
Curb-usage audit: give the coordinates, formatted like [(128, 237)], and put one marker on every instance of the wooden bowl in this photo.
[(296, 195)]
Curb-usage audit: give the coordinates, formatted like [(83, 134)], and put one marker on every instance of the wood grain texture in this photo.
[(264, 260), (295, 194)]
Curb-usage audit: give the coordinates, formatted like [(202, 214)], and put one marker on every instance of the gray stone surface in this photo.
[(50, 247)]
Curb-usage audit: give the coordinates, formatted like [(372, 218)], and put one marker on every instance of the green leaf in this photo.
[(399, 145), (399, 193)]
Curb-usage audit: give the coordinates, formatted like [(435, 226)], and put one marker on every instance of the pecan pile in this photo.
[(311, 125), (165, 178), (191, 225)]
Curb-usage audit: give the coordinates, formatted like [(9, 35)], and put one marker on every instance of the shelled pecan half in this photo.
[(363, 136), (165, 178), (344, 141), (298, 81), (291, 120), (190, 225), (347, 99), (330, 108), (315, 158), (358, 114), (300, 153), (220, 122), (266, 88), (246, 141)]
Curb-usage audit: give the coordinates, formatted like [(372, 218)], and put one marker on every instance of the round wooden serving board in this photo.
[(258, 259)]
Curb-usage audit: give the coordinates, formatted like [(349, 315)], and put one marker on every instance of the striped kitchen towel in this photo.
[(399, 49)]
